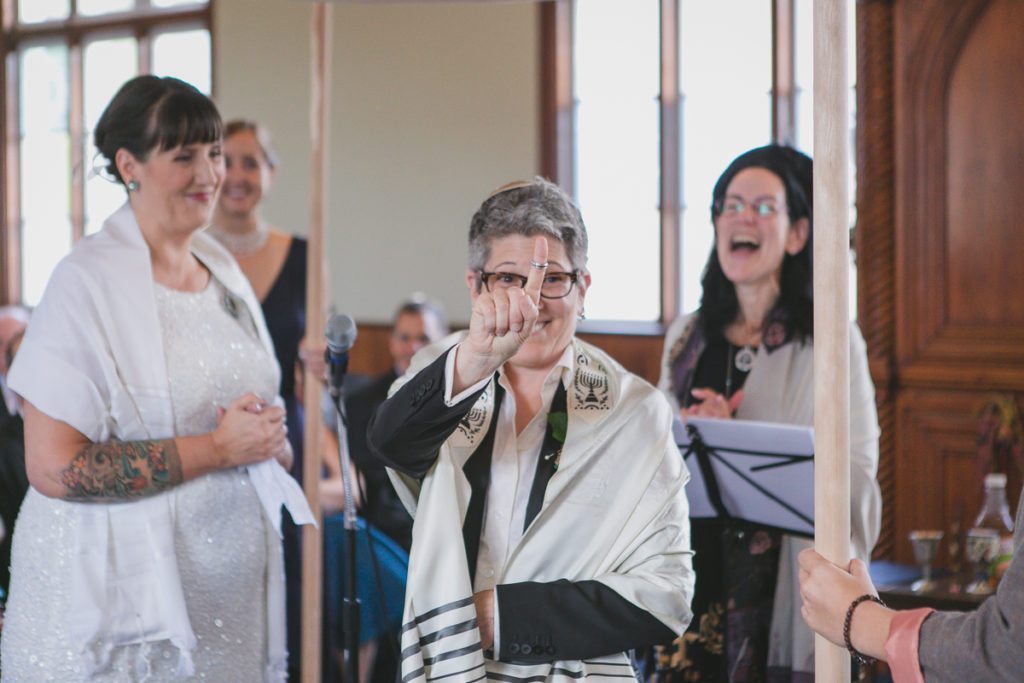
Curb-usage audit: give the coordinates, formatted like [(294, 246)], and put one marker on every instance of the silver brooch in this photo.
[(230, 305)]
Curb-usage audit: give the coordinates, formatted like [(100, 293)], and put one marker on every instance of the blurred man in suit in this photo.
[(417, 323)]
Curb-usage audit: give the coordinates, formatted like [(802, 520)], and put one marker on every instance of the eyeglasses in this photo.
[(410, 338), (734, 206), (555, 285)]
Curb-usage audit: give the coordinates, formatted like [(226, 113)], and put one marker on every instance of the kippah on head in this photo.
[(515, 184)]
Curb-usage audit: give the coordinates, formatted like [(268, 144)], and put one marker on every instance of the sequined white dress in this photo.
[(222, 544)]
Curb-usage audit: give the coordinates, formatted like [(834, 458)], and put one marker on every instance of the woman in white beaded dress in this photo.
[(148, 545)]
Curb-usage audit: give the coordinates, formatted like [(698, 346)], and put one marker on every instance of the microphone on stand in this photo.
[(340, 334)]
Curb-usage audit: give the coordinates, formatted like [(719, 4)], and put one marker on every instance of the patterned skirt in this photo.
[(736, 563)]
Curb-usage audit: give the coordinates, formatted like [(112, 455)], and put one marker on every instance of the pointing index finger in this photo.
[(538, 268)]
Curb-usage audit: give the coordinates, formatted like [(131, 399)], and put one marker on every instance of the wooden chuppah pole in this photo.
[(831, 309), (312, 546)]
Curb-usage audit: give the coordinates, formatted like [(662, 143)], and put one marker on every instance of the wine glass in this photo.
[(926, 544), (981, 547)]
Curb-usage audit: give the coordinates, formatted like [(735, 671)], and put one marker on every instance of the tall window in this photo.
[(647, 108), (64, 60)]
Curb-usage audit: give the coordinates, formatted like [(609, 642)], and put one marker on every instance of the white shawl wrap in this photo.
[(93, 357), (614, 511)]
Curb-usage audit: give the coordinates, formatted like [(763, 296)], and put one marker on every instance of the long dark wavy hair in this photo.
[(719, 305)]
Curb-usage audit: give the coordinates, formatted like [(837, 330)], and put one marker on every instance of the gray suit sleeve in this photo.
[(984, 645)]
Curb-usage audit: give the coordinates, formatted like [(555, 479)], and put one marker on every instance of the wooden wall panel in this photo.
[(940, 157), (640, 354), (370, 355), (940, 46), (984, 163)]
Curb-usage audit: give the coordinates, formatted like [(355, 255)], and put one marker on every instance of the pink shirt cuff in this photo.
[(901, 647)]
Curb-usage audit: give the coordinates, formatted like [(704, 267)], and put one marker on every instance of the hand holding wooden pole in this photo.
[(831, 309)]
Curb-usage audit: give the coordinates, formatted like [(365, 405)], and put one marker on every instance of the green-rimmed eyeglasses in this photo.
[(734, 206), (555, 286)]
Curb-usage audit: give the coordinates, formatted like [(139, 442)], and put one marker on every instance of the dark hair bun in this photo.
[(149, 112)]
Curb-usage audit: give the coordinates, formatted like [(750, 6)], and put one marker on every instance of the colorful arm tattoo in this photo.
[(116, 471)]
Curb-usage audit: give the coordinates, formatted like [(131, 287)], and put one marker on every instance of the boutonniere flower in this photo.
[(558, 423)]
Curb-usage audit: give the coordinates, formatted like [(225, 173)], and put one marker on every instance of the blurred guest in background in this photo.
[(417, 323), (275, 264)]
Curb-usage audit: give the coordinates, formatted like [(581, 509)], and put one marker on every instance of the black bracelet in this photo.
[(846, 627)]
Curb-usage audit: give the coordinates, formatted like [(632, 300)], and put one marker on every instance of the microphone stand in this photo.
[(350, 603)]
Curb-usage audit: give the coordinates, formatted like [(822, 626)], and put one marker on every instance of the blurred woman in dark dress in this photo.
[(275, 263)]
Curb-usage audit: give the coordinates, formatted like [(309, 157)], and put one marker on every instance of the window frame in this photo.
[(557, 145), (142, 23)]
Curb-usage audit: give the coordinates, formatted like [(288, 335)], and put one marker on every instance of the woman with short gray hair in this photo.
[(551, 531)]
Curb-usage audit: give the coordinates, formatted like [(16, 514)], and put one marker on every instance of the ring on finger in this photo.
[(541, 266)]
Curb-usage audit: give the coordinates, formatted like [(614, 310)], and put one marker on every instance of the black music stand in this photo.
[(761, 472)]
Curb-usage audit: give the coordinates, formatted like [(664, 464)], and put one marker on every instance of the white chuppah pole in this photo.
[(831, 309), (312, 546)]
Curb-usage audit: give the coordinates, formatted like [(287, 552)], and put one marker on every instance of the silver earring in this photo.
[(581, 316), (133, 185)]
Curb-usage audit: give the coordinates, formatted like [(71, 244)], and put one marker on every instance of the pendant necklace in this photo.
[(743, 358)]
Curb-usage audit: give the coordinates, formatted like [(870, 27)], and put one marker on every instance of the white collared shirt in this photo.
[(513, 466)]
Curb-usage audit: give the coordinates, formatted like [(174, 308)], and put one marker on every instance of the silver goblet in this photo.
[(926, 544)]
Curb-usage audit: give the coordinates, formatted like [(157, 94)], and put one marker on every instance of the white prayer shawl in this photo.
[(97, 337), (614, 511)]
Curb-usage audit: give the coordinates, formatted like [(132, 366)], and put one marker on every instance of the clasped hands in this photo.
[(712, 404), (250, 430)]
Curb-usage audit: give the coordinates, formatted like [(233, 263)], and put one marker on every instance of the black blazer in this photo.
[(540, 621)]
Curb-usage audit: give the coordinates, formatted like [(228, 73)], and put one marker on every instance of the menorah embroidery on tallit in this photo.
[(590, 384), (472, 423)]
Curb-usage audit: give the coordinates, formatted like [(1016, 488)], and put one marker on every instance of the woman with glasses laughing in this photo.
[(747, 353)]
